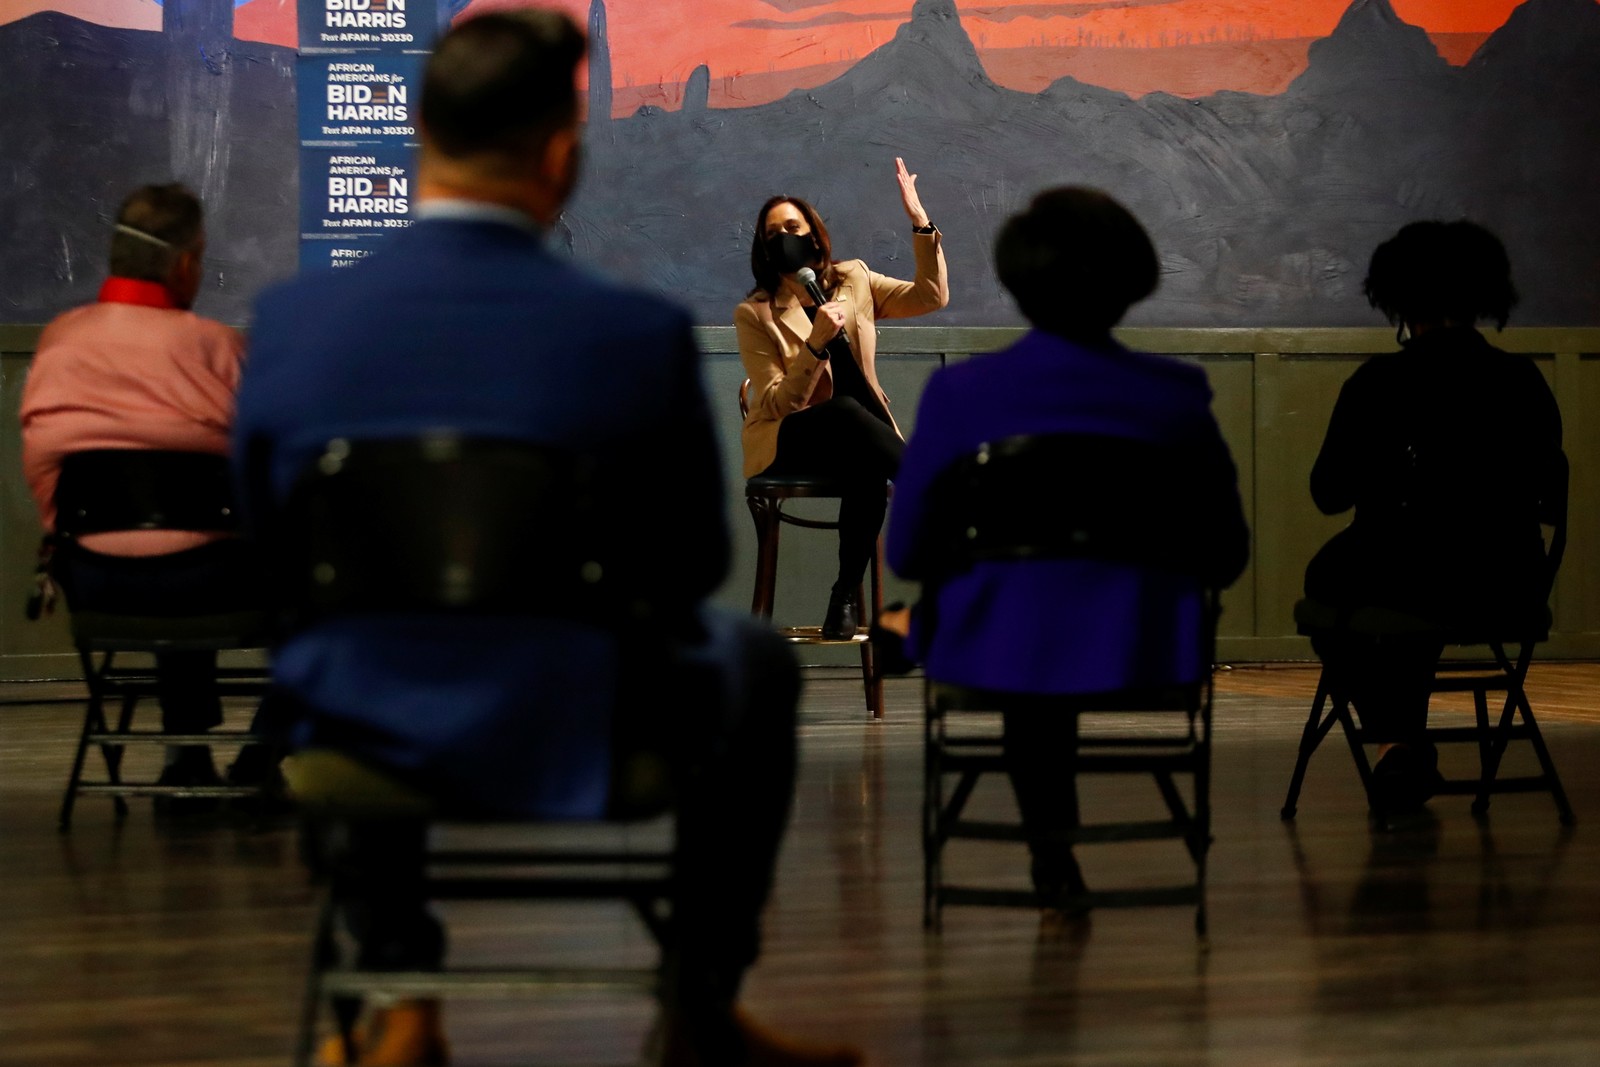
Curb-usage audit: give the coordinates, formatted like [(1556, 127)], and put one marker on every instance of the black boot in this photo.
[(839, 624)]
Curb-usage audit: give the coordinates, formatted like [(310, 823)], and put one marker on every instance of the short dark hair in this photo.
[(498, 85), (168, 213), (1434, 271), (1075, 261), (766, 275)]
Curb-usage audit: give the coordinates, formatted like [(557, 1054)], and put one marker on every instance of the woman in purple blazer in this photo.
[(1075, 261)]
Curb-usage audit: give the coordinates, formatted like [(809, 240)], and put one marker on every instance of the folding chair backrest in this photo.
[(1072, 495), (445, 523), (116, 489)]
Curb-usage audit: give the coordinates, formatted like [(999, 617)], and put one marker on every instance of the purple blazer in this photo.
[(1063, 625)]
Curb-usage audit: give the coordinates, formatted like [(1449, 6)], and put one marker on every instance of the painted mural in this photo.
[(1267, 146)]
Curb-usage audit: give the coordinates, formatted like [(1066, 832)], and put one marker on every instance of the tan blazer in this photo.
[(785, 377)]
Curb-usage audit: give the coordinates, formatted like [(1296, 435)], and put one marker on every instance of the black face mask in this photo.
[(788, 252)]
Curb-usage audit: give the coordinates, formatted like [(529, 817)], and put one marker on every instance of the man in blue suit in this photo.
[(466, 322)]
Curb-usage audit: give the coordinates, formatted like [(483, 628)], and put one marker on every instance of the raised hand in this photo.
[(908, 193)]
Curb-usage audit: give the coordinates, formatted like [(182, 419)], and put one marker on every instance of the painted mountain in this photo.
[(1265, 206), (87, 112)]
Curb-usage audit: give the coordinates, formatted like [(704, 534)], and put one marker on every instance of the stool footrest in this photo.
[(812, 635)]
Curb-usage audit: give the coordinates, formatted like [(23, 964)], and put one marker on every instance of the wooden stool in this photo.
[(766, 496)]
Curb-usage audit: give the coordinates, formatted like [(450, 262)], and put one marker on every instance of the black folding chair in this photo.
[(457, 527), (1079, 496), (1500, 672), (112, 490)]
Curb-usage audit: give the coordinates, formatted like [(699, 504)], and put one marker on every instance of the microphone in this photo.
[(808, 278)]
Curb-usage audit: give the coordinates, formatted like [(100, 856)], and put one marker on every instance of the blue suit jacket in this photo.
[(1061, 625), (473, 326)]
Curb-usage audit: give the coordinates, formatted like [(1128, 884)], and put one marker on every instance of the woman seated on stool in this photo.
[(1075, 261), (816, 408)]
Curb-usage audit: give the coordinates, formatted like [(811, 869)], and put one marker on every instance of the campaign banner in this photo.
[(369, 98), (368, 25), (355, 191)]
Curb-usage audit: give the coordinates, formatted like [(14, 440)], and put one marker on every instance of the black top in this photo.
[(1445, 451), (848, 379)]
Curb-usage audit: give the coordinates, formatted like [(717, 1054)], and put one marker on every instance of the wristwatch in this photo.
[(929, 228)]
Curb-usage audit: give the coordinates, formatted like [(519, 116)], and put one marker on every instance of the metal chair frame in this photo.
[(105, 490), (519, 561), (1499, 672), (993, 519)]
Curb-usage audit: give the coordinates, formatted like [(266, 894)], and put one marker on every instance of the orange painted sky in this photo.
[(660, 41), (654, 41)]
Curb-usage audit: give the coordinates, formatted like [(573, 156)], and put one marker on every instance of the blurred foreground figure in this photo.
[(465, 323)]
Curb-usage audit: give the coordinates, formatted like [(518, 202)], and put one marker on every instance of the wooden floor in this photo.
[(1450, 942)]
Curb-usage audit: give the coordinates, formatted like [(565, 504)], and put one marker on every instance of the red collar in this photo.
[(136, 291)]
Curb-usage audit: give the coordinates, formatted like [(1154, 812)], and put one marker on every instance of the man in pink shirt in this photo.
[(138, 369)]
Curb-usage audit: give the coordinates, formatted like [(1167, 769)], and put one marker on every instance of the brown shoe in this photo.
[(762, 1048), (406, 1034)]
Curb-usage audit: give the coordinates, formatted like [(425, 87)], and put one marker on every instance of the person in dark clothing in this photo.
[(1441, 449)]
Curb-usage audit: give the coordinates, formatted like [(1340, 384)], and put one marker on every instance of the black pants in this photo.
[(1450, 580), (840, 439), (215, 578), (1039, 749), (1388, 681), (726, 721)]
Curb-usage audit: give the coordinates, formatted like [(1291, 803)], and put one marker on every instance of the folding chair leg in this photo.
[(1201, 839), (1491, 745), (1180, 813), (1547, 765), (323, 954), (112, 754), (1315, 730), (93, 719), (1517, 703), (932, 779)]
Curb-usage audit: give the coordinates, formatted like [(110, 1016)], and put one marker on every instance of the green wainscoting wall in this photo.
[(1274, 390)]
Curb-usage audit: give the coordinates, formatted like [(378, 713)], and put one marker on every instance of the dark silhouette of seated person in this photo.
[(465, 322), (1439, 449), (1075, 261)]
